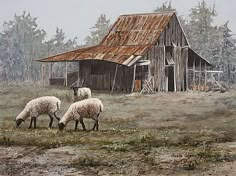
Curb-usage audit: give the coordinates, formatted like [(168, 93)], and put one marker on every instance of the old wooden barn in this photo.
[(140, 51)]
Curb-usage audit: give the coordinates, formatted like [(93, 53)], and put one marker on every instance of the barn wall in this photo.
[(99, 75), (159, 67), (172, 33), (157, 57)]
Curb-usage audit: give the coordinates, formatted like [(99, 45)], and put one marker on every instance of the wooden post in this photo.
[(114, 80), (205, 76), (200, 74), (166, 78), (174, 78), (194, 73), (43, 74), (50, 70), (66, 78), (133, 79), (186, 71)]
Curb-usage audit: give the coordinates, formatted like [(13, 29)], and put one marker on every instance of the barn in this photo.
[(140, 52)]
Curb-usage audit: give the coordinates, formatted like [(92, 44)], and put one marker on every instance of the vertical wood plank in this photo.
[(187, 85), (133, 78), (66, 74), (114, 80), (194, 73), (205, 76), (200, 73)]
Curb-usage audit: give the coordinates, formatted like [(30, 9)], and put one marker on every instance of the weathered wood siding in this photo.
[(173, 33), (157, 69), (99, 75), (179, 68)]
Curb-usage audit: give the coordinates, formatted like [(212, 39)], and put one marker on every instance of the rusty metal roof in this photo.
[(129, 37)]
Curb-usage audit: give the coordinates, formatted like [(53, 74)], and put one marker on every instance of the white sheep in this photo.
[(81, 93), (88, 108), (42, 105)]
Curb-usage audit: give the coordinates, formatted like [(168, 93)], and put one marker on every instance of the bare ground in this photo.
[(162, 134)]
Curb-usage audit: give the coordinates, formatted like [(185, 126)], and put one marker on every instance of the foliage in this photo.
[(100, 30), (21, 42)]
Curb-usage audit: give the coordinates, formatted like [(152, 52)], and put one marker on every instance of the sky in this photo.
[(77, 17)]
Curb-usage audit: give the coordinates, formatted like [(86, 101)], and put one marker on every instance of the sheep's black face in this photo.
[(19, 122), (61, 126)]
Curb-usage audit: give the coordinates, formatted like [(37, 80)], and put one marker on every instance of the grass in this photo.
[(149, 134)]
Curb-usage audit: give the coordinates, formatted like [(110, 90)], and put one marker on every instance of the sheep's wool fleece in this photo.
[(41, 105), (88, 108), (84, 93)]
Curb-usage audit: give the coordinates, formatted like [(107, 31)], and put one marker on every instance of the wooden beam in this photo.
[(200, 73), (43, 74), (114, 80), (133, 79), (50, 70), (187, 87), (205, 80), (66, 76), (194, 84), (174, 79)]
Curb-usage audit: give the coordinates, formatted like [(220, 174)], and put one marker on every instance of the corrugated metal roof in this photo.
[(137, 29), (130, 36), (119, 54)]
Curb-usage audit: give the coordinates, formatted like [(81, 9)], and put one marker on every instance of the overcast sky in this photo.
[(76, 17)]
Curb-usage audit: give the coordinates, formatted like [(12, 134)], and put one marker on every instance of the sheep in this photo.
[(81, 93), (42, 105), (88, 108)]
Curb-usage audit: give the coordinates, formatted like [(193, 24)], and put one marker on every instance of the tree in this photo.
[(165, 7), (101, 28), (20, 43), (58, 44), (199, 29), (226, 52)]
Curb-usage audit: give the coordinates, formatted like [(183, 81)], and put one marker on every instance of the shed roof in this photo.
[(129, 37)]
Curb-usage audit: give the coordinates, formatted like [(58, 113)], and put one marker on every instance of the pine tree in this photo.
[(199, 29), (101, 28), (227, 52), (165, 7)]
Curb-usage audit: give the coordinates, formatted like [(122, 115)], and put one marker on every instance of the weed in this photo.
[(117, 147)]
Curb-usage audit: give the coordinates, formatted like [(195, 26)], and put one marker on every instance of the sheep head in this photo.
[(19, 122), (61, 126)]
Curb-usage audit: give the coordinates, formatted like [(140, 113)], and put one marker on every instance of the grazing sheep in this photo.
[(42, 105), (88, 108), (81, 93)]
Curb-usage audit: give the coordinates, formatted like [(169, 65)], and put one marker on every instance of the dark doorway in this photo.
[(171, 79)]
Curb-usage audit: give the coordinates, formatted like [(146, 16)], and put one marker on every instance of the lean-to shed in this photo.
[(137, 48)]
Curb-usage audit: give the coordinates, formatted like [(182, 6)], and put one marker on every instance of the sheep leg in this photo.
[(82, 123), (95, 124), (51, 120), (56, 116), (31, 121), (34, 122), (76, 124)]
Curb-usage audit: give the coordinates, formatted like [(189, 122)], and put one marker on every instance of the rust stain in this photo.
[(130, 35)]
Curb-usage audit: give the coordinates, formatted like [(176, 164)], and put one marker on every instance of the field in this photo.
[(190, 133)]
